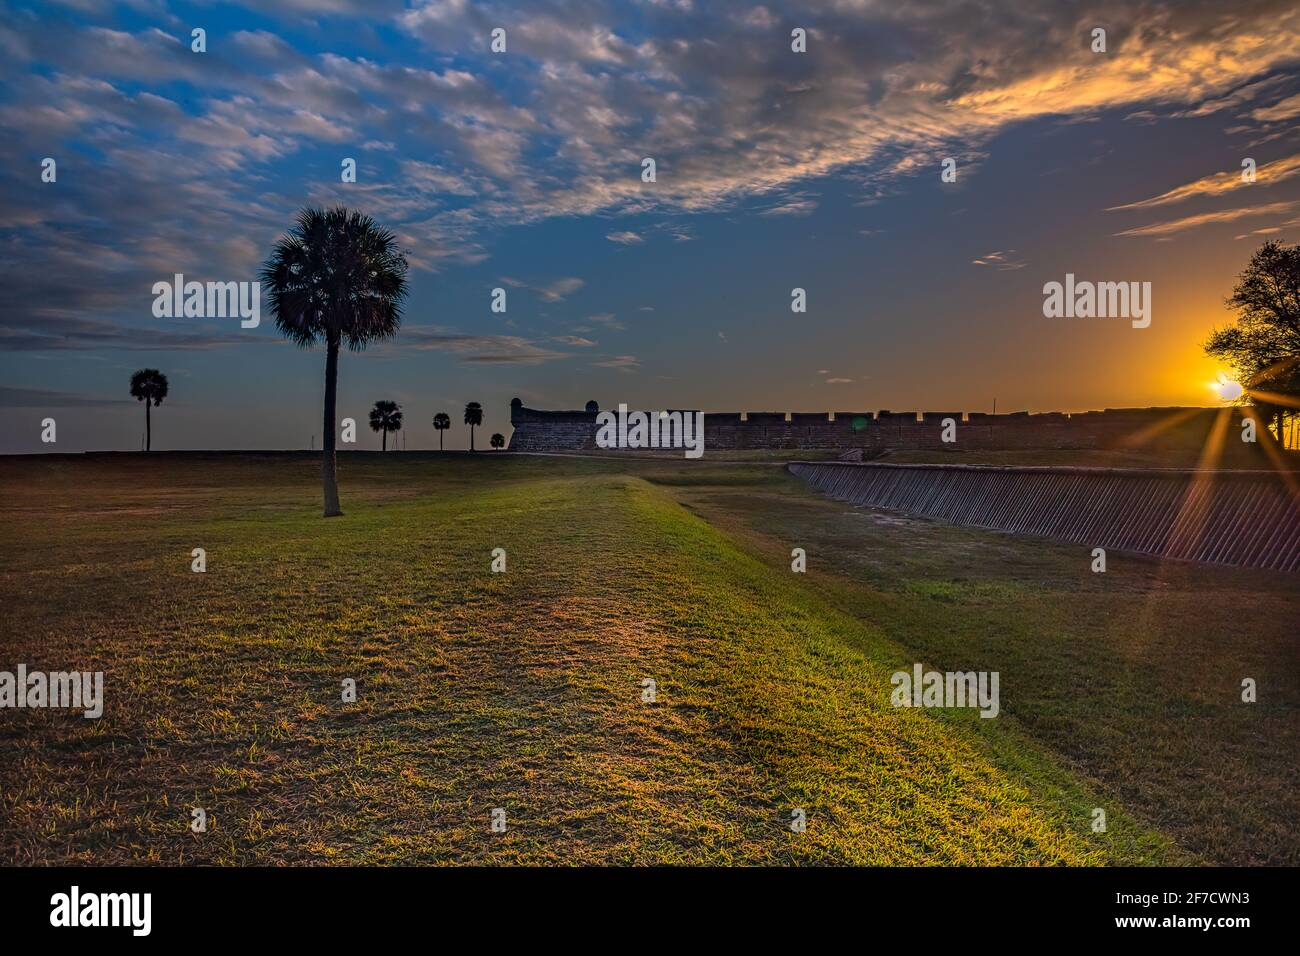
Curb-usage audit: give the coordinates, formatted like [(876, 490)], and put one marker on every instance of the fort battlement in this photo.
[(1172, 428)]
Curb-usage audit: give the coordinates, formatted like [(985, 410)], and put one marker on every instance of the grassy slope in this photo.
[(520, 690), (1132, 676)]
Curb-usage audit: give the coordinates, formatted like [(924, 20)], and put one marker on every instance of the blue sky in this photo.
[(521, 170)]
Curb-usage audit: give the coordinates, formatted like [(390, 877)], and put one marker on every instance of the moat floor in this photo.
[(530, 691)]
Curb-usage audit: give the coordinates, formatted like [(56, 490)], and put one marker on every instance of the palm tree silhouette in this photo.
[(498, 441), (336, 277), (441, 421), (386, 417), (473, 416), (148, 385)]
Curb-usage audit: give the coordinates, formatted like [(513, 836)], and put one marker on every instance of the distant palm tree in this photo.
[(441, 421), (498, 441), (148, 385), (473, 416), (386, 417), (338, 277)]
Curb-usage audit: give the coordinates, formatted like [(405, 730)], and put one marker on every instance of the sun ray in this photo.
[(1193, 509), (1274, 398), (1149, 432)]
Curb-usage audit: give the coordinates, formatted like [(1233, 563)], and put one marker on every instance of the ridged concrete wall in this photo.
[(1245, 518)]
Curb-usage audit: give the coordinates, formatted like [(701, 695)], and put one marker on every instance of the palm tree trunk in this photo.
[(329, 477), (439, 439), (148, 427), (471, 437), (385, 439)]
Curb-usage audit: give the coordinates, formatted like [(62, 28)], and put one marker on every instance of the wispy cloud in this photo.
[(797, 205), (1287, 109), (624, 363), (1266, 231), (1173, 226), (59, 333), (624, 238), (42, 398), (480, 349), (1005, 260), (1218, 184), (556, 290)]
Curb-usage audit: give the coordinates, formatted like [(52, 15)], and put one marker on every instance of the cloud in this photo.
[(575, 340), (624, 363), (59, 333), (1267, 231), (838, 381), (1173, 226), (1003, 261), (438, 179), (41, 398), (189, 152), (1218, 184), (554, 291), (799, 205), (1287, 109), (624, 238), (478, 349), (492, 350)]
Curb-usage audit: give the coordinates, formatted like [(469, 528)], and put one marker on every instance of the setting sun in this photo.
[(1227, 389)]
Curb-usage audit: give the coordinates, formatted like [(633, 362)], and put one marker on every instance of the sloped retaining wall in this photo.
[(1246, 518)]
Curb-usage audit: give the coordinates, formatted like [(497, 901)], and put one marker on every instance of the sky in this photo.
[(522, 170)]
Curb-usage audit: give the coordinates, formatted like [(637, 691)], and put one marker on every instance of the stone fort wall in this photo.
[(1170, 428)]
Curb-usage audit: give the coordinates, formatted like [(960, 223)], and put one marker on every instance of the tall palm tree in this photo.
[(336, 277), (498, 441), (148, 385), (473, 416), (386, 417), (441, 421)]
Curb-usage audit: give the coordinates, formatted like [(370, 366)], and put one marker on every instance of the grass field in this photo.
[(523, 690)]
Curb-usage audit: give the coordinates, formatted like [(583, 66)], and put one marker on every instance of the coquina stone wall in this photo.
[(1147, 428)]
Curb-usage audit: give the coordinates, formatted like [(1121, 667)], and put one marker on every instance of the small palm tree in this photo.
[(498, 441), (386, 417), (441, 421), (473, 417), (148, 385), (336, 277)]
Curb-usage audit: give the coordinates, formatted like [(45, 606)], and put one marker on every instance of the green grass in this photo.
[(523, 690), (1132, 677)]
